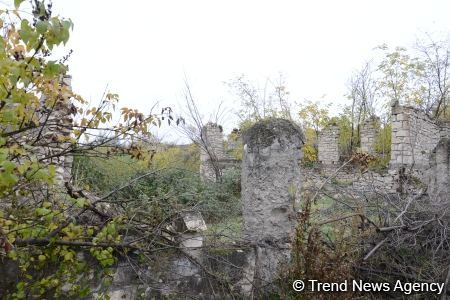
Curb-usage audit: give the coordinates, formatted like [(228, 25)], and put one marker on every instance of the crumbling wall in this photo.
[(439, 172), (212, 137), (444, 130), (417, 152), (212, 152), (270, 194), (328, 145), (414, 137), (369, 131)]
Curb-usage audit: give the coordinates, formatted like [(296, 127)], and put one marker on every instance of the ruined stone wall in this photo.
[(212, 136), (272, 181), (270, 178), (439, 173), (350, 179), (328, 145), (444, 130), (212, 152), (271, 193), (369, 131), (414, 137), (442, 165)]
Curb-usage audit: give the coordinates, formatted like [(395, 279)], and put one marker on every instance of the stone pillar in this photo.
[(369, 132), (414, 137), (270, 194), (328, 145), (212, 150), (439, 173)]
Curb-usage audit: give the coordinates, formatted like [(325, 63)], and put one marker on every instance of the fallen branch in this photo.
[(375, 249)]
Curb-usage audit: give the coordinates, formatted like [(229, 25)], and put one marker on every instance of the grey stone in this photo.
[(271, 193), (328, 147)]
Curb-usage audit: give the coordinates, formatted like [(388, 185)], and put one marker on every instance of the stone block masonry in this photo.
[(212, 137), (414, 137), (445, 130), (328, 145), (212, 152), (369, 132)]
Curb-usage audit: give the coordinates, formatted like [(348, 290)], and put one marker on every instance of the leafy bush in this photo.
[(163, 191), (104, 174), (176, 189)]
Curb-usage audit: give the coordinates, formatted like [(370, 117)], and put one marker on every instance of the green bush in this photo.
[(163, 192)]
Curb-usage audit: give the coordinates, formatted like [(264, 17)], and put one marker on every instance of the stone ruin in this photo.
[(418, 146), (213, 158), (271, 180), (271, 155), (271, 196), (328, 145), (272, 152), (439, 174), (369, 131), (211, 150), (414, 137), (421, 145)]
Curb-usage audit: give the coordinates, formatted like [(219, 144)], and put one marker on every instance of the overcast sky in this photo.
[(144, 49)]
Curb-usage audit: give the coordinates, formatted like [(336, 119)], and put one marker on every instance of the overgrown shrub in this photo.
[(162, 192), (316, 256)]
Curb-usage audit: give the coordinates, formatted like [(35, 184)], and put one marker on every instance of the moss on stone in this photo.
[(264, 132)]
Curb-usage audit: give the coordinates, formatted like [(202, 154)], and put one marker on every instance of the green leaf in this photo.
[(26, 31), (42, 211), (8, 166), (68, 256), (13, 255), (81, 202), (17, 3), (52, 69), (8, 117), (51, 171), (41, 27), (7, 179)]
